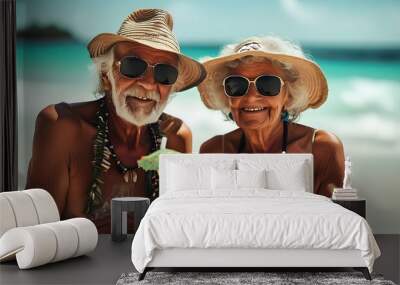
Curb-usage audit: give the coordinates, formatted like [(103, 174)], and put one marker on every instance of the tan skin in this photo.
[(263, 131), (63, 141)]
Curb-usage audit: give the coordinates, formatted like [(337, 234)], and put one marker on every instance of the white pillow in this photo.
[(228, 179), (223, 179), (251, 178), (184, 177), (293, 179), (200, 161)]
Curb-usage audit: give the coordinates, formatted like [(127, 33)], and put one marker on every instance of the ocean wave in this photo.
[(366, 93)]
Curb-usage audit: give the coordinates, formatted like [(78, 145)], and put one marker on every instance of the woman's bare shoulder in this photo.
[(323, 137), (323, 142), (212, 145), (327, 144), (300, 130), (221, 143)]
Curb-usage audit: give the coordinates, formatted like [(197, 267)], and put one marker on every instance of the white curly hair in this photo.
[(102, 65)]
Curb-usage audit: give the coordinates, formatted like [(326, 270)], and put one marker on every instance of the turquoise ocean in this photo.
[(363, 108)]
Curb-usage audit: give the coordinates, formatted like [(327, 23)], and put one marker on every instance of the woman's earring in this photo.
[(285, 116)]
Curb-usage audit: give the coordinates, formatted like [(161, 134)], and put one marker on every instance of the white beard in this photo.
[(139, 116)]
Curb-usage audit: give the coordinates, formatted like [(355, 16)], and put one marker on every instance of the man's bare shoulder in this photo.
[(178, 133), (174, 126), (85, 111), (221, 143), (65, 118), (170, 125)]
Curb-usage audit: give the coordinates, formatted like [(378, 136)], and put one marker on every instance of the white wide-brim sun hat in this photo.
[(152, 28), (308, 73)]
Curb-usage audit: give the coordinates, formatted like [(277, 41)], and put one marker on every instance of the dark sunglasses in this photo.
[(134, 67), (267, 85)]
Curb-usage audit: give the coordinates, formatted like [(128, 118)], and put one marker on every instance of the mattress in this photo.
[(250, 219)]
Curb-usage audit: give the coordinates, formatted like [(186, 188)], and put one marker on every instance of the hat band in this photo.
[(150, 35)]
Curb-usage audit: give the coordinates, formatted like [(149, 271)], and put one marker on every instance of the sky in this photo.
[(318, 22)]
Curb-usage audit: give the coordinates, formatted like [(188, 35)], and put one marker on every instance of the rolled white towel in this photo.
[(87, 234), (32, 246), (67, 240), (40, 244), (7, 218), (23, 209), (26, 208), (45, 205)]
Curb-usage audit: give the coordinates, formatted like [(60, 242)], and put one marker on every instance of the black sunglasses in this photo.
[(267, 85), (134, 67)]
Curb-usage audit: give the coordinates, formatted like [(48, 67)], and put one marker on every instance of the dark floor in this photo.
[(389, 262), (110, 260), (102, 266)]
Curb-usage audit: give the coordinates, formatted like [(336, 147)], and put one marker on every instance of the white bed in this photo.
[(202, 220)]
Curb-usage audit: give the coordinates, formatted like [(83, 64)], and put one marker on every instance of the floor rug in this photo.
[(231, 278)]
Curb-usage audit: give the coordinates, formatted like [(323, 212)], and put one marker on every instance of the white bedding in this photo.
[(251, 218)]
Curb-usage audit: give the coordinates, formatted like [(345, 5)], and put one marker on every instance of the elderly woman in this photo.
[(263, 84)]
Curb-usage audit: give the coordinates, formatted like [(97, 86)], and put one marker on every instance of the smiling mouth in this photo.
[(139, 99), (253, 109)]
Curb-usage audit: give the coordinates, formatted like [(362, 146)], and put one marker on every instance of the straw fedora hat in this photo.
[(152, 28), (272, 48)]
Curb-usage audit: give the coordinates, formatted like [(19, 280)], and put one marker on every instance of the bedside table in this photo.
[(358, 206), (119, 208)]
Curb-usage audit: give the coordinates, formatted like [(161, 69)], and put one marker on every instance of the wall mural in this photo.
[(97, 105)]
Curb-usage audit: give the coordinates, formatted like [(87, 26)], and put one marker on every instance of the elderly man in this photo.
[(86, 153)]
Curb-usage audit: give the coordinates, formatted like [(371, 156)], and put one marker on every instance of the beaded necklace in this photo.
[(103, 153)]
